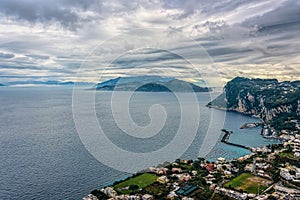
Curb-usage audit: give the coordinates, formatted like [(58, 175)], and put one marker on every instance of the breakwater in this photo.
[(226, 137)]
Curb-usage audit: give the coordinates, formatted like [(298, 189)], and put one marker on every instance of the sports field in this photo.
[(249, 183), (141, 181)]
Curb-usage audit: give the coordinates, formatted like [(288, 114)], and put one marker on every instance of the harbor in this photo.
[(226, 137)]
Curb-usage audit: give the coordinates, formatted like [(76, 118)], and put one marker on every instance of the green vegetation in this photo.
[(248, 183), (100, 195), (156, 189), (133, 184), (220, 197), (262, 97), (283, 121), (287, 157), (238, 181)]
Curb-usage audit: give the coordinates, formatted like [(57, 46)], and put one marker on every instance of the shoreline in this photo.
[(265, 127), (224, 140)]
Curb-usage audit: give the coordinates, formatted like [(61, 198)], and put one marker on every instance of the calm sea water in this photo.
[(42, 156)]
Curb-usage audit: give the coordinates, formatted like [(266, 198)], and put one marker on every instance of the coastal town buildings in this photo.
[(187, 179)]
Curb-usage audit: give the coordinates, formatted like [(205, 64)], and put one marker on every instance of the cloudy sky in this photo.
[(88, 40)]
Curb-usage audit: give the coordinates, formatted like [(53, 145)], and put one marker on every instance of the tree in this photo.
[(100, 195), (133, 187), (292, 172), (275, 175), (201, 159), (272, 198)]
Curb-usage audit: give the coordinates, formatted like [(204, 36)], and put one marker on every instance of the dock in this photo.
[(226, 137)]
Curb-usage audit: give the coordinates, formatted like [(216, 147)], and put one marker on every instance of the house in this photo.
[(212, 187), (109, 191), (163, 179), (260, 173), (187, 198), (147, 197), (90, 197), (221, 160), (176, 170), (159, 171), (172, 195), (227, 173), (210, 167), (284, 173), (185, 177), (249, 167), (194, 173), (209, 179)]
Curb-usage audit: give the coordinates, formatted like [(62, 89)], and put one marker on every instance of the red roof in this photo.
[(210, 167)]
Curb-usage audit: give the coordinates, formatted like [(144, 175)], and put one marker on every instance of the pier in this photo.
[(226, 137)]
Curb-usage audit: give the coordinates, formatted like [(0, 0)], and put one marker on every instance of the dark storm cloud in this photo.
[(62, 11), (6, 55), (286, 15)]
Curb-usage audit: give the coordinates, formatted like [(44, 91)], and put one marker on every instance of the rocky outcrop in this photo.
[(274, 102)]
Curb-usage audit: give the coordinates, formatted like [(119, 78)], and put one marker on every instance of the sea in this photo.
[(43, 156)]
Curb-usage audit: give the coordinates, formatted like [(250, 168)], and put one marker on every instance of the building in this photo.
[(163, 179), (187, 190), (147, 197)]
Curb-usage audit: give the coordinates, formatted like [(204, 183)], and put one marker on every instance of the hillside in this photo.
[(276, 103)]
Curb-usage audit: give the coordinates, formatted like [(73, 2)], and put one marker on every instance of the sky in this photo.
[(204, 40)]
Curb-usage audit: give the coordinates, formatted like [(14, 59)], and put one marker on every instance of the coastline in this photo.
[(266, 131), (246, 156)]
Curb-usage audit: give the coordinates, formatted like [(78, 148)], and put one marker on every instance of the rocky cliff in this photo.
[(276, 103)]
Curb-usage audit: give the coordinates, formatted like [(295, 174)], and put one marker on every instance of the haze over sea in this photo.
[(42, 156)]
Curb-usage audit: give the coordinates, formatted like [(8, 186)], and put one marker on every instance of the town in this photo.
[(271, 172)]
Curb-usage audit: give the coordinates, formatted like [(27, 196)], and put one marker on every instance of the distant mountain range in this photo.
[(149, 84), (52, 83)]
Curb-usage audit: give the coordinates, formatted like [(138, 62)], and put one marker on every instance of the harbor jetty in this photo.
[(226, 137)]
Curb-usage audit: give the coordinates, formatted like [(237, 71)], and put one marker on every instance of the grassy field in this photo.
[(141, 181), (249, 183)]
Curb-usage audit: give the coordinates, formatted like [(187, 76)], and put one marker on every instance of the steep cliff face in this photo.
[(274, 102)]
